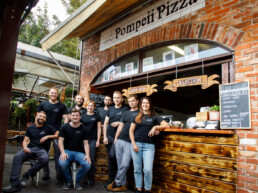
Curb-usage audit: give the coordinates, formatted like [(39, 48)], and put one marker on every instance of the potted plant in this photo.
[(214, 114)]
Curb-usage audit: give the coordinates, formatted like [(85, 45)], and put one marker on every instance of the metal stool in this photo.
[(32, 163), (74, 169)]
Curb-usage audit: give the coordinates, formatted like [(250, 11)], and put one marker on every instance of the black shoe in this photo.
[(78, 186), (24, 180), (45, 177), (11, 189), (138, 191), (91, 182), (146, 191), (66, 186)]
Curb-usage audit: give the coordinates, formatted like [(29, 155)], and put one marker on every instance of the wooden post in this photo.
[(225, 73)]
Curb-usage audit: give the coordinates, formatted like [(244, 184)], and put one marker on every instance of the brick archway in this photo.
[(226, 35)]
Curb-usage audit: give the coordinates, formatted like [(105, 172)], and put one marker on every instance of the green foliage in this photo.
[(19, 116), (68, 102), (32, 104), (214, 108), (69, 92), (72, 5), (37, 25)]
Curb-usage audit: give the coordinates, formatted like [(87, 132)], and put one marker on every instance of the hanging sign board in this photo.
[(148, 89), (203, 80), (235, 106)]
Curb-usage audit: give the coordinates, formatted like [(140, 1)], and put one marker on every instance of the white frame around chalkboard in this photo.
[(248, 104)]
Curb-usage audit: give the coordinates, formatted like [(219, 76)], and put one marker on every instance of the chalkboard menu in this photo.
[(98, 99), (235, 106)]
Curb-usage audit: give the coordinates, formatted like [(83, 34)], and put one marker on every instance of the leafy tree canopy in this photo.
[(37, 25)]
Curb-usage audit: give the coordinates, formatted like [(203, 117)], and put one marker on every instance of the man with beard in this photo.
[(102, 111), (56, 111), (79, 100), (34, 145)]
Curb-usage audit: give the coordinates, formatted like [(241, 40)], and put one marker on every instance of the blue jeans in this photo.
[(146, 154), (74, 156)]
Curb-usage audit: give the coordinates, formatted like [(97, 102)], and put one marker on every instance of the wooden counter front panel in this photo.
[(195, 163)]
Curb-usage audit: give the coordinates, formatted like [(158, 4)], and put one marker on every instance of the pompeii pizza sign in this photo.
[(148, 18)]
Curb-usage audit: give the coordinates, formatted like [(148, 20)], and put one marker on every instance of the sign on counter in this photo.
[(235, 106)]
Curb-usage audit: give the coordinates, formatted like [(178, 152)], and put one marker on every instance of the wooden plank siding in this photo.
[(191, 163), (101, 164)]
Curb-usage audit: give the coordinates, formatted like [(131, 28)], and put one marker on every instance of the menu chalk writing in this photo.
[(235, 106), (97, 98)]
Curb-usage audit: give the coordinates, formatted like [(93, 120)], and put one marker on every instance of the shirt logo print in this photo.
[(42, 133), (55, 110), (78, 132), (149, 120), (93, 119), (120, 113)]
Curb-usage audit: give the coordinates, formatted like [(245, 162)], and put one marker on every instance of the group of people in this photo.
[(128, 133)]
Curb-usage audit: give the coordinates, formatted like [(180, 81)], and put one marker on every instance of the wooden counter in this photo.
[(190, 161), (211, 131)]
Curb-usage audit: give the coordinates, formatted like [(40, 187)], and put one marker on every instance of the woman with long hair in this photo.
[(142, 130), (92, 122)]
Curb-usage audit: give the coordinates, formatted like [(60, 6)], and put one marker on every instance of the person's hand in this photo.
[(115, 140), (115, 124), (97, 143), (152, 132), (88, 159), (26, 150), (105, 140), (135, 148), (63, 156), (43, 139)]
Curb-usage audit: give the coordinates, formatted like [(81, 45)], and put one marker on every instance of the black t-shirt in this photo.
[(82, 109), (36, 133), (102, 113), (54, 113), (114, 114), (127, 118), (142, 129), (91, 123), (73, 137)]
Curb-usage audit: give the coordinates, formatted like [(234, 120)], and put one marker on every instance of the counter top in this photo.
[(198, 131)]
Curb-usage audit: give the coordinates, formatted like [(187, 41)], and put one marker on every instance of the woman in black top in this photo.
[(146, 124), (92, 122)]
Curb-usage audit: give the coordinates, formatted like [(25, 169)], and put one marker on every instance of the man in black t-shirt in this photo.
[(56, 111), (102, 111), (123, 145), (111, 123), (73, 144), (34, 145), (79, 100)]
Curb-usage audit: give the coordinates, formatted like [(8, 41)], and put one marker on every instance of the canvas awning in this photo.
[(89, 18)]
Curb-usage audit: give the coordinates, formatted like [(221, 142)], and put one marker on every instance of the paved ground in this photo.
[(43, 186)]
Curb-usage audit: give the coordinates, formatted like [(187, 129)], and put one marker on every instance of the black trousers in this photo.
[(112, 164), (21, 157)]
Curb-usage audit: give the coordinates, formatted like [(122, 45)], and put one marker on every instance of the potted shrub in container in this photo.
[(214, 113)]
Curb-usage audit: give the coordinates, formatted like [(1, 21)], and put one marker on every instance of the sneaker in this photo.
[(119, 188), (24, 180), (111, 186), (10, 189), (66, 186), (78, 186), (45, 177)]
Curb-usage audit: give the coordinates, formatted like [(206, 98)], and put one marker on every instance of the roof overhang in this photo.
[(90, 17)]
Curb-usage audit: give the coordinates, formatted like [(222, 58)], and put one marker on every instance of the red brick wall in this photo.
[(233, 23)]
